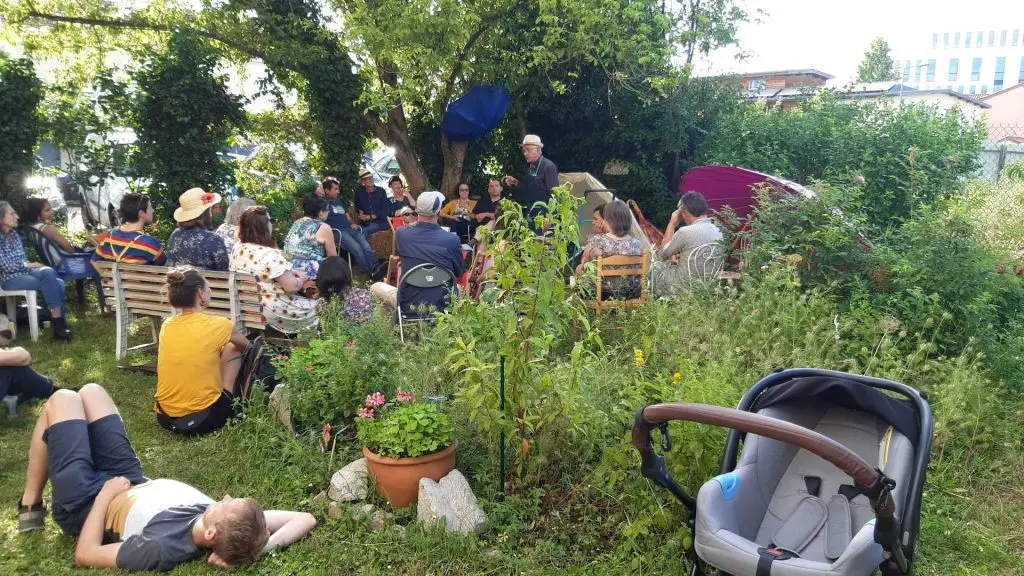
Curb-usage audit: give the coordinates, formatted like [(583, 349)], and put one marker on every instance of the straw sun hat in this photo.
[(193, 203)]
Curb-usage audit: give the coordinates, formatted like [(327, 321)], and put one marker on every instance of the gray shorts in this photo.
[(82, 457)]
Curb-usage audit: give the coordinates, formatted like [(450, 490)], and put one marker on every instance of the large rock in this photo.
[(350, 483), (453, 500), (279, 406)]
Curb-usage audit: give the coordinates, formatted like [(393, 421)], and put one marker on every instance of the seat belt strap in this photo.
[(767, 556)]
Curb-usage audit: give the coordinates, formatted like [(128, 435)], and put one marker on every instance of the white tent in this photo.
[(594, 194)]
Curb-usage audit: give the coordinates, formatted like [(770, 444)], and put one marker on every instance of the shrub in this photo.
[(1014, 171), (20, 94), (402, 427), (327, 380)]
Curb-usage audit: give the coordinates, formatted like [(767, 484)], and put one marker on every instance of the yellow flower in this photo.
[(677, 378), (638, 356)]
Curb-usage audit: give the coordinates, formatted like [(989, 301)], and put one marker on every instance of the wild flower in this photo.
[(375, 400), (366, 413), (638, 357), (404, 396)]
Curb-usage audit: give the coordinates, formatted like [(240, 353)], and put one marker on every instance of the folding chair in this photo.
[(620, 267), (341, 249), (423, 276), (70, 266)]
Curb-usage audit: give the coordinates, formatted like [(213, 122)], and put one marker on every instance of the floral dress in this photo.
[(288, 313), (617, 287), (229, 232), (358, 306), (197, 247), (302, 247)]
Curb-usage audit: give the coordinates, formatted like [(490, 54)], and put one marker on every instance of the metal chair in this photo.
[(704, 262), (70, 266), (423, 276), (341, 249)]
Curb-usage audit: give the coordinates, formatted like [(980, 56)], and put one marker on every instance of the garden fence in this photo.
[(1004, 145)]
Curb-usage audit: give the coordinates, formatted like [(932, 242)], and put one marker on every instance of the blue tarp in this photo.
[(475, 114)]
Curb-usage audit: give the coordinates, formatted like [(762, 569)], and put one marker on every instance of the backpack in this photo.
[(257, 367)]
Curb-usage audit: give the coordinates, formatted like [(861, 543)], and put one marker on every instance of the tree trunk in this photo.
[(454, 154), (394, 133)]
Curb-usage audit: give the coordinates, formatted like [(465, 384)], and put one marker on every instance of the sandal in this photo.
[(31, 518)]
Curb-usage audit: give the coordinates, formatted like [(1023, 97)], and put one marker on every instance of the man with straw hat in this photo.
[(193, 243), (541, 177), (372, 205)]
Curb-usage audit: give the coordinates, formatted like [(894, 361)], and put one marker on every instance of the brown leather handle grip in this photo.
[(862, 473)]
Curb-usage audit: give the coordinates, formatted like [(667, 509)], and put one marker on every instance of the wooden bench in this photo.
[(136, 291)]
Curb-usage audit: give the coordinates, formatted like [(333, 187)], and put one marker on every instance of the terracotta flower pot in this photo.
[(398, 479)]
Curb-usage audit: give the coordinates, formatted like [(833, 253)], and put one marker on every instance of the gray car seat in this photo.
[(784, 498)]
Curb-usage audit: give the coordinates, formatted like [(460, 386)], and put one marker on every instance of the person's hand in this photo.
[(354, 226), (216, 560), (301, 275), (510, 181), (677, 216), (115, 486), (675, 259), (33, 265)]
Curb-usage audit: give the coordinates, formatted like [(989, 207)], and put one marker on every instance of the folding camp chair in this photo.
[(423, 276)]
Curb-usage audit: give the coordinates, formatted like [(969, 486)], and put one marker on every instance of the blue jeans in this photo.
[(44, 279), (374, 226), (355, 243)]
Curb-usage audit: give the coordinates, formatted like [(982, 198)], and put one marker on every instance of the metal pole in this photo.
[(501, 445)]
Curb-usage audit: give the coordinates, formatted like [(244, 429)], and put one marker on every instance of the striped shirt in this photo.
[(130, 248)]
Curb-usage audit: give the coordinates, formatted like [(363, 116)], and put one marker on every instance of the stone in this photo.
[(279, 406), (378, 521), (367, 509), (351, 483), (321, 498), (398, 529), (334, 510), (453, 500)]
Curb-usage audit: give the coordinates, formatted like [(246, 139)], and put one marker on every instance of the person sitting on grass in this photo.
[(310, 239), (123, 519), (615, 242), (17, 378), (193, 243), (335, 279), (198, 360), (129, 244)]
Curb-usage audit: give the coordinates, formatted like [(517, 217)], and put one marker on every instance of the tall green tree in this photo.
[(20, 94), (185, 117), (877, 65)]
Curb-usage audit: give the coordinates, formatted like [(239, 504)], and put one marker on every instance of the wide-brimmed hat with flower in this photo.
[(193, 203)]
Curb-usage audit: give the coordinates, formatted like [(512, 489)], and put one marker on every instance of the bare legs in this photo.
[(90, 404)]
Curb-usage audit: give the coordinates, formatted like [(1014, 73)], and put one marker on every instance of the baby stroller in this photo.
[(829, 481)]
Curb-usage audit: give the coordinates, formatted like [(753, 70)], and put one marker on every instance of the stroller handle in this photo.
[(864, 476)]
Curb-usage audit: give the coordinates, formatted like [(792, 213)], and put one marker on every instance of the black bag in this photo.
[(257, 368), (189, 422)]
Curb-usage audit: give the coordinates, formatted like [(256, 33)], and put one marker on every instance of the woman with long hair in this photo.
[(284, 309), (198, 360), (310, 239)]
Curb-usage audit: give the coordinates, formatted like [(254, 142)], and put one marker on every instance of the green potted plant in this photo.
[(403, 441)]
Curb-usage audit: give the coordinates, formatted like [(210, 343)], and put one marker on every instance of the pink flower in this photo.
[(374, 400), (282, 357), (309, 367), (405, 397), (366, 413), (351, 345), (208, 198)]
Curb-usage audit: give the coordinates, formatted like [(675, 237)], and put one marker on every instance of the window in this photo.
[(906, 71), (935, 40), (967, 40), (960, 88), (954, 68), (1016, 37), (978, 39), (984, 88), (972, 90), (997, 82), (759, 84), (991, 38), (976, 70), (1020, 78), (956, 40), (917, 71), (1002, 39), (945, 40), (931, 71)]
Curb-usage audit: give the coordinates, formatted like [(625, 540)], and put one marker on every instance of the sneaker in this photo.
[(31, 518)]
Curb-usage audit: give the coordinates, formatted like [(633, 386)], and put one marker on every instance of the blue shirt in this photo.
[(337, 215), (197, 247), (12, 256), (426, 243), (377, 205)]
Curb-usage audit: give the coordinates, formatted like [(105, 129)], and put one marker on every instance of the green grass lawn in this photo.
[(972, 529)]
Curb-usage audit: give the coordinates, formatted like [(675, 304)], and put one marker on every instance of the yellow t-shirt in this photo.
[(188, 363)]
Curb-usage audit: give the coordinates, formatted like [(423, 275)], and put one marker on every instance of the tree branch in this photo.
[(460, 58), (136, 24)]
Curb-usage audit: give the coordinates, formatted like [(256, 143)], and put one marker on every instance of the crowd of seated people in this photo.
[(353, 240), (229, 229)]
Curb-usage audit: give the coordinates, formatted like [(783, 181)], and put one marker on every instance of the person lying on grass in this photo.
[(123, 519)]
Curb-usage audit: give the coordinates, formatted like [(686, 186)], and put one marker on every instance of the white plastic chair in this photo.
[(30, 301)]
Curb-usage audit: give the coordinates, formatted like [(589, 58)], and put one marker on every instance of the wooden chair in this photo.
[(620, 267)]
